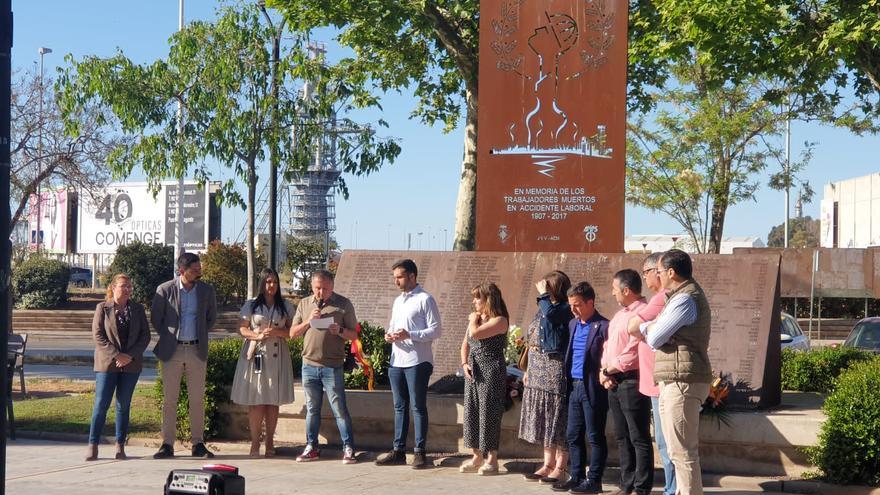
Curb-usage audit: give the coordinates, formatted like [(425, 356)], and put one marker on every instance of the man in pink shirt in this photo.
[(630, 409), (647, 386)]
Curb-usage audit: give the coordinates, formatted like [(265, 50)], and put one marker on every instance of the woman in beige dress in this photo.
[(264, 374)]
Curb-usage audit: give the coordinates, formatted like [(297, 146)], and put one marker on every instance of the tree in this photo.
[(76, 162), (816, 48), (304, 256), (222, 74), (703, 149), (430, 46), (146, 264), (803, 233), (225, 267), (846, 37)]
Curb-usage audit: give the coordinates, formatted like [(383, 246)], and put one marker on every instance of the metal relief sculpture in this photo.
[(548, 133), (552, 124)]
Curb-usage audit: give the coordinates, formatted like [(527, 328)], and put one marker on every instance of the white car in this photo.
[(791, 335)]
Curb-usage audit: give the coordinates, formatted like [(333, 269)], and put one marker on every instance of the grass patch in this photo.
[(65, 406)]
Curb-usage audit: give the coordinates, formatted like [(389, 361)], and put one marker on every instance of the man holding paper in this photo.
[(326, 320)]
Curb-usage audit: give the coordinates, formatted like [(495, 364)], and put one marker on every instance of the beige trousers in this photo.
[(185, 361), (680, 418)]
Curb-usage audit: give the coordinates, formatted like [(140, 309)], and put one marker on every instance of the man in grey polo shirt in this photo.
[(184, 310)]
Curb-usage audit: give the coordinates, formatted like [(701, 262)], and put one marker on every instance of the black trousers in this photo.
[(631, 413)]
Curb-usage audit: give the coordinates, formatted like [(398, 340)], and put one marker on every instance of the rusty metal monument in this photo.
[(552, 113)]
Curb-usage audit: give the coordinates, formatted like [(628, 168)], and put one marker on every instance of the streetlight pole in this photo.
[(43, 51), (273, 146), (180, 185), (787, 173), (5, 245)]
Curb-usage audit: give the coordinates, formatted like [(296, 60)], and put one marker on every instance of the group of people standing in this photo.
[(649, 360), (183, 311)]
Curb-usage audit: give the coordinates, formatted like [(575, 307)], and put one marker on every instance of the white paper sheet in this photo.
[(321, 323)]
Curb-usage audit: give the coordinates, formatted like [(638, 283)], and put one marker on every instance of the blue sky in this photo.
[(418, 192)]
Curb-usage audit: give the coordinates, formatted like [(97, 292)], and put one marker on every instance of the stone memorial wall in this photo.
[(841, 272), (743, 292)]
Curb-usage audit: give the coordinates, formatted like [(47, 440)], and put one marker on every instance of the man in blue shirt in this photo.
[(588, 399), (184, 310)]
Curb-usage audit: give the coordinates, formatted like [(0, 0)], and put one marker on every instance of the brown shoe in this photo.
[(120, 452), (420, 461), (92, 452)]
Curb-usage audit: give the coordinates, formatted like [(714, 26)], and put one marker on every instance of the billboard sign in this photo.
[(127, 212), (53, 210)]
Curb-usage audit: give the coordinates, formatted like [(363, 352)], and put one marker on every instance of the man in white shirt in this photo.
[(415, 324)]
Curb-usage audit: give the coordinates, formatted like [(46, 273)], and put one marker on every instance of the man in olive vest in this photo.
[(680, 336)]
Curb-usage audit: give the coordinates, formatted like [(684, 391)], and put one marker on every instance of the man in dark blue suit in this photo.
[(587, 399)]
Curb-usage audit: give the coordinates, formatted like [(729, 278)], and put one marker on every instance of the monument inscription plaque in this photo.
[(743, 292), (552, 125)]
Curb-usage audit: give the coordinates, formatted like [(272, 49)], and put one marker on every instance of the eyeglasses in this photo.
[(649, 270)]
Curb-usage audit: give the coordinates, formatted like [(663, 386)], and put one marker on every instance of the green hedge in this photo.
[(849, 444), (379, 355), (817, 370), (40, 283), (148, 265), (223, 356)]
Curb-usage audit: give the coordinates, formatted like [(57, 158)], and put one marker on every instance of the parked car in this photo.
[(791, 335), (865, 335), (80, 277)]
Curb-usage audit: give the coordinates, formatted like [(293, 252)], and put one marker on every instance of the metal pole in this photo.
[(326, 249), (180, 185), (787, 172), (813, 289), (43, 51), (273, 145), (5, 244)]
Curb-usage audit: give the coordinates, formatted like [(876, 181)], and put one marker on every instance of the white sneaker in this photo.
[(309, 454), (348, 455)]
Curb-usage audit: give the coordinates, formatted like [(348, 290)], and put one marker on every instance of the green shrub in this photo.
[(296, 355), (817, 370), (148, 265), (40, 283), (379, 352), (849, 444), (222, 358), (225, 267)]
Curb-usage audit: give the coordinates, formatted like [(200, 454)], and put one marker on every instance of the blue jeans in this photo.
[(106, 383), (586, 422), (668, 468), (409, 388), (316, 381)]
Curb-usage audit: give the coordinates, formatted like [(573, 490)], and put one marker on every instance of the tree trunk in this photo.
[(466, 206), (251, 244), (720, 202)]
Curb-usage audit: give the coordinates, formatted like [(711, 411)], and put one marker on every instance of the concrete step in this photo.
[(757, 442), (33, 321)]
